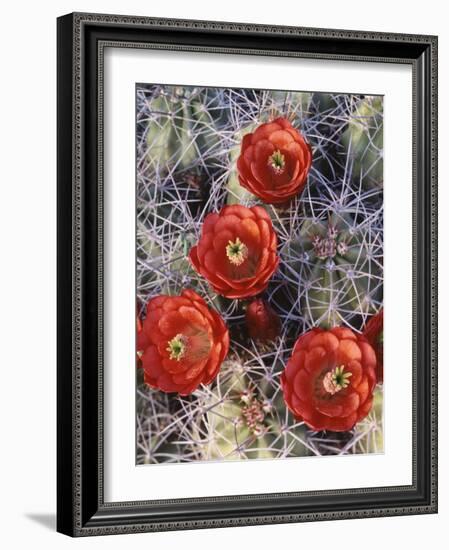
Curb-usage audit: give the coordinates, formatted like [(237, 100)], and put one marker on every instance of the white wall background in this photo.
[(28, 282)]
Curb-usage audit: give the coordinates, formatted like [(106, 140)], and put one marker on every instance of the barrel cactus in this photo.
[(246, 416), (236, 194), (182, 133), (363, 141), (294, 105), (337, 261)]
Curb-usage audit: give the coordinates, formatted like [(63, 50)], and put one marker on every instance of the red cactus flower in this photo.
[(329, 379), (263, 323), (186, 342), (236, 252), (274, 161), (374, 333)]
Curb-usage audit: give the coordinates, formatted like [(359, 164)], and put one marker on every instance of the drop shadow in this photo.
[(46, 520)]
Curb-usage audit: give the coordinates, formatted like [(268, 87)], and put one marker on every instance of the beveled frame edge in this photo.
[(71, 231)]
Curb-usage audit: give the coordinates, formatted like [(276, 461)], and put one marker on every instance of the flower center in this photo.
[(277, 162), (177, 347), (336, 380), (236, 251)]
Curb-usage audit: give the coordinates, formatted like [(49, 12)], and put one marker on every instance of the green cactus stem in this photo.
[(363, 140), (246, 417), (182, 133), (340, 269)]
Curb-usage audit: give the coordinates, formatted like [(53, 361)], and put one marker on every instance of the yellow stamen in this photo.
[(336, 380), (277, 161), (236, 251), (177, 347)]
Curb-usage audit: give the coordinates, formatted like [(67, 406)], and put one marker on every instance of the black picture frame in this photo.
[(81, 509)]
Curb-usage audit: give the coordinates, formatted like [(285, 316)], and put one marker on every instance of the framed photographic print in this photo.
[(246, 274)]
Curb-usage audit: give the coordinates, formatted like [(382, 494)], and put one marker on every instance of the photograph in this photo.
[(259, 274)]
